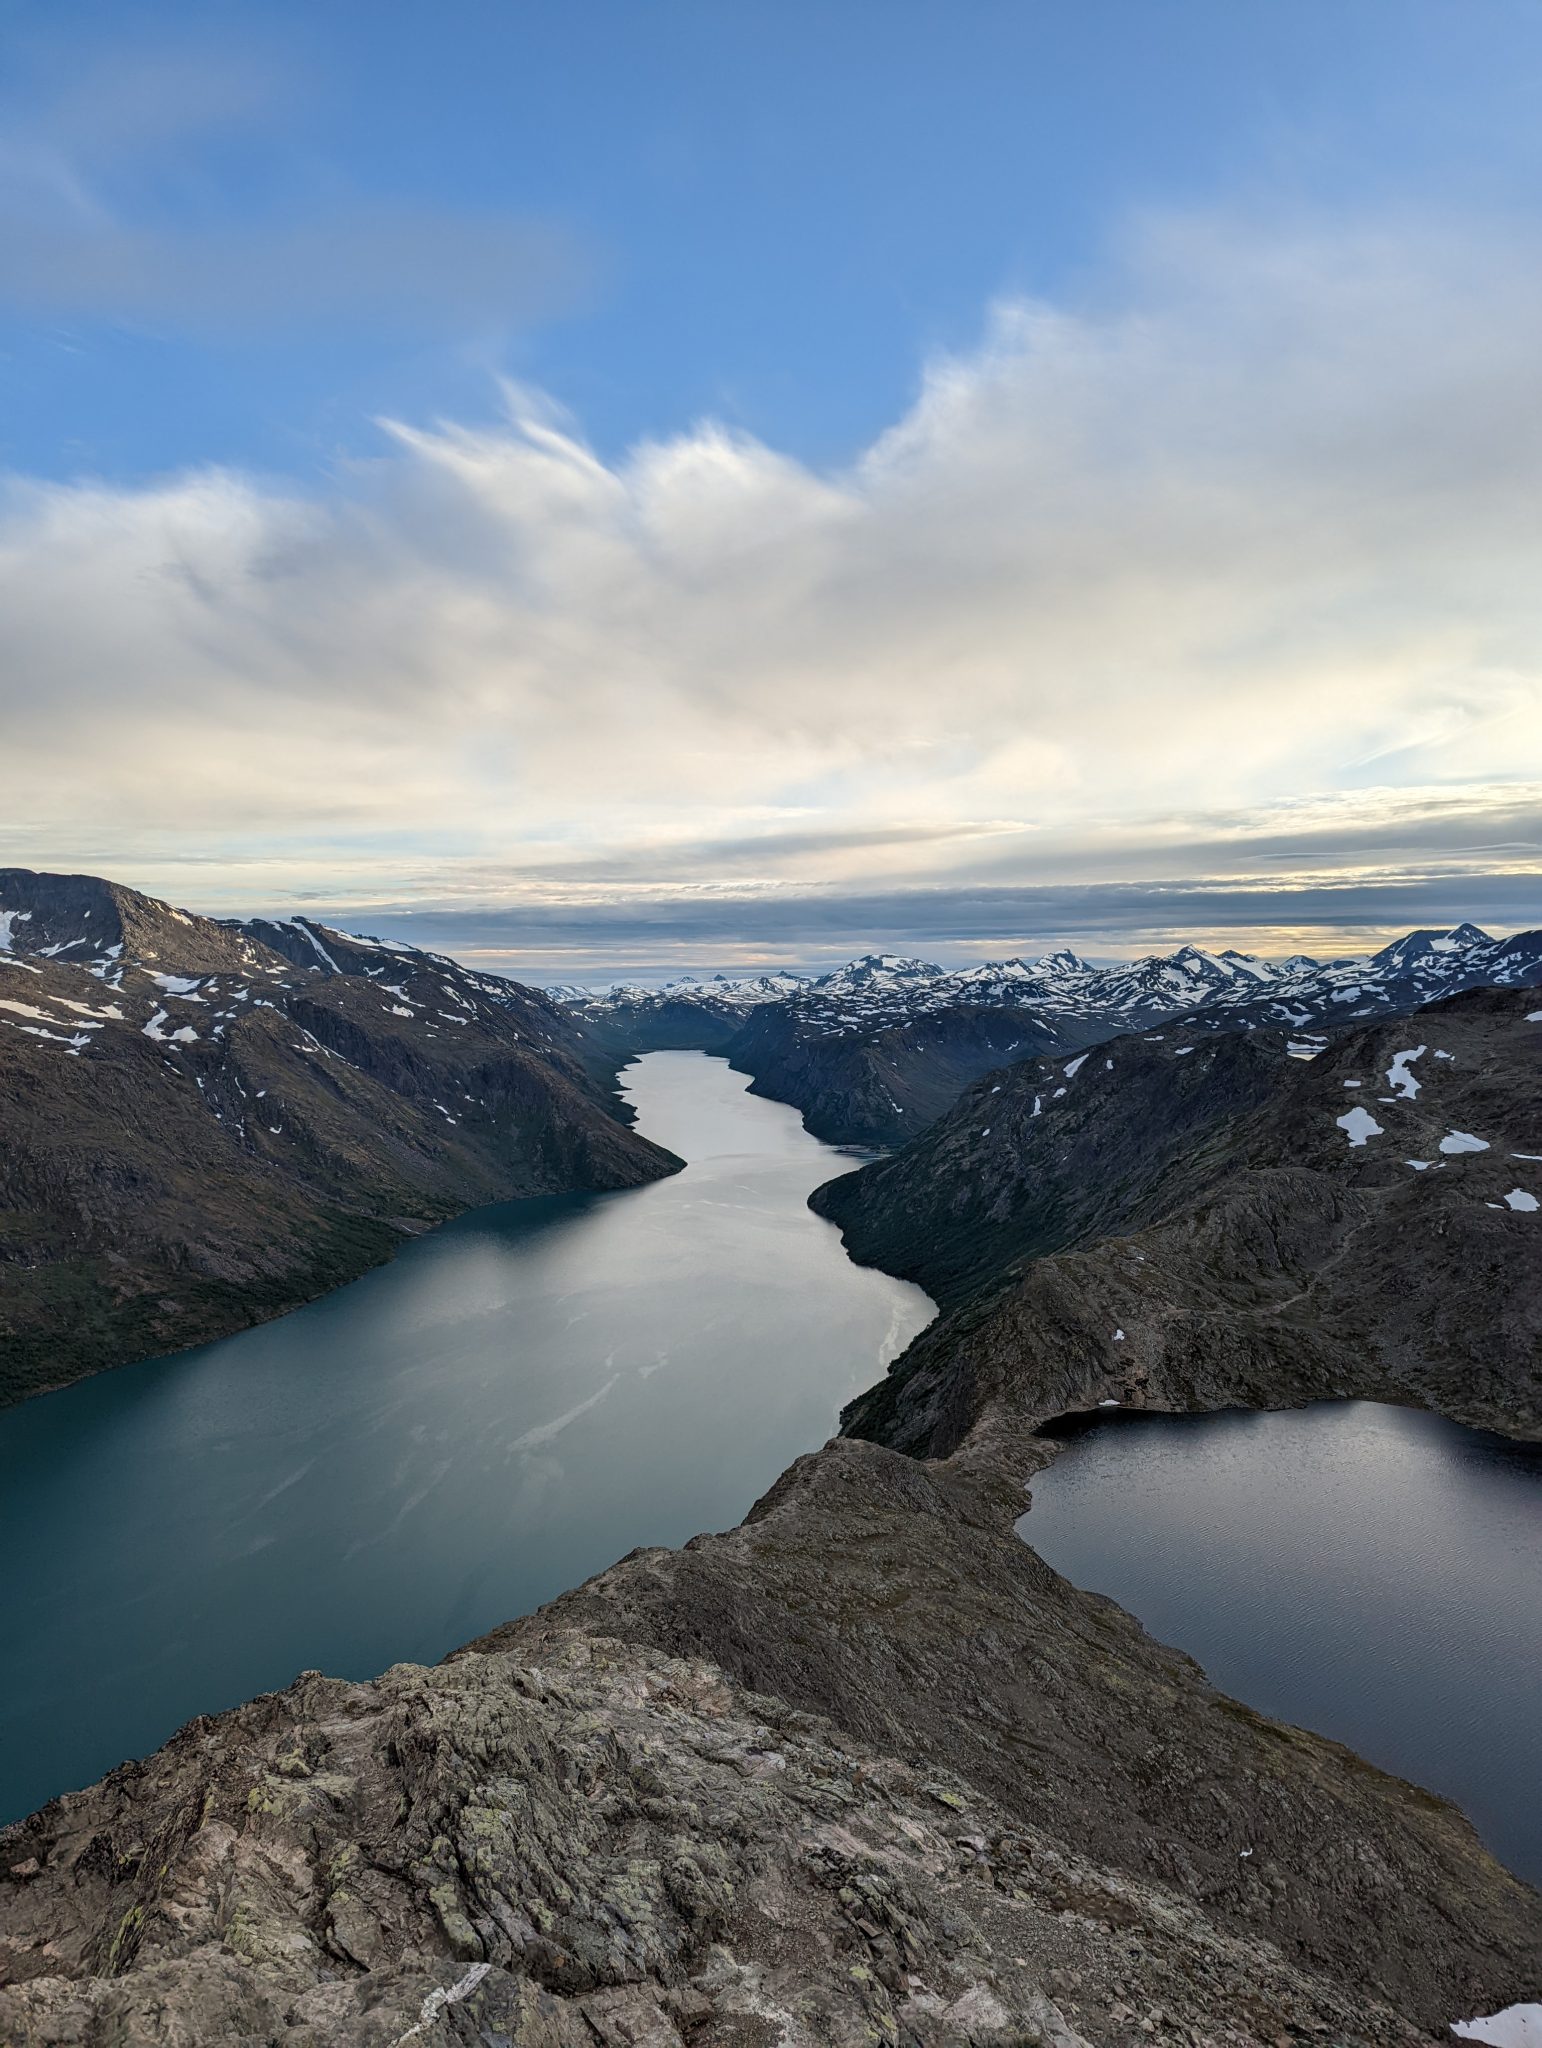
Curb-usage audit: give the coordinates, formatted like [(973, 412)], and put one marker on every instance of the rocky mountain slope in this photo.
[(873, 1052), (1192, 1220), (208, 1123), (575, 1840)]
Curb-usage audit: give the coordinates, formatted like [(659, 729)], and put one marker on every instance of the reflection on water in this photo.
[(1373, 1573), (515, 1402)]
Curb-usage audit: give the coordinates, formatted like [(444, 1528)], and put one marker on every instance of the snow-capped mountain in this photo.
[(1311, 996), (873, 1050), (737, 992)]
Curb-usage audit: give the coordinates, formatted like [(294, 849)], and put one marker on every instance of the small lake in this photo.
[(512, 1404), (1372, 1573)]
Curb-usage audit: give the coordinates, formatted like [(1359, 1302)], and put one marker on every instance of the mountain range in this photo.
[(1189, 1219), (874, 1051)]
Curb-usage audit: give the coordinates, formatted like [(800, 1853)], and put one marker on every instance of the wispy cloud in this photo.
[(1224, 573), (118, 203)]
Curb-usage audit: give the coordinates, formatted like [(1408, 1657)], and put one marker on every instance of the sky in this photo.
[(614, 488)]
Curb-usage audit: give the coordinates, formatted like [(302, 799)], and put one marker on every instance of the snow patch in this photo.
[(1519, 1199), (1358, 1125), (1463, 1141), (1518, 2026), (439, 1998), (186, 1035), (1399, 1078)]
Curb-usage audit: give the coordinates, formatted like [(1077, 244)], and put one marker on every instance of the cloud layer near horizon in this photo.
[(1225, 573)]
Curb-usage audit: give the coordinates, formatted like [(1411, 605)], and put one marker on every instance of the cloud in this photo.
[(949, 925), (418, 271), (1225, 570), (118, 203)]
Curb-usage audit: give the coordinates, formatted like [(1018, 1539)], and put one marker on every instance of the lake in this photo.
[(513, 1403), (1373, 1573)]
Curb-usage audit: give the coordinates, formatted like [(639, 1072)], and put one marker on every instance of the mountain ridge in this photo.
[(201, 1131), (873, 1051)]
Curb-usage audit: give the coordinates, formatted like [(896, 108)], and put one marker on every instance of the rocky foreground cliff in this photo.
[(864, 1770), (207, 1124)]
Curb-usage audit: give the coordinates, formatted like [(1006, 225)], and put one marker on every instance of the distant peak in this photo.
[(1422, 945)]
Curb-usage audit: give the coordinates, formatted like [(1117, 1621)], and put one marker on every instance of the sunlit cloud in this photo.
[(1223, 578)]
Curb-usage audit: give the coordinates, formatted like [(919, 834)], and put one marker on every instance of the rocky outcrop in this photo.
[(592, 1846), (894, 1598), (202, 1131), (862, 1770)]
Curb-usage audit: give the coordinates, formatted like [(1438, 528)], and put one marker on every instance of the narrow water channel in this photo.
[(515, 1402), (1369, 1572)]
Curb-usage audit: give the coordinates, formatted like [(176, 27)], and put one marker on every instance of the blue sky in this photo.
[(766, 213), (902, 306)]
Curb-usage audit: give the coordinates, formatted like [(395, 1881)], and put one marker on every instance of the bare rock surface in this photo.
[(597, 1845)]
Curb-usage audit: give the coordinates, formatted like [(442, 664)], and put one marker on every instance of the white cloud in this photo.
[(1239, 551)]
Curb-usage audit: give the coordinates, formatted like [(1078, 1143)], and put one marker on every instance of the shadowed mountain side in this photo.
[(1049, 1153), (201, 1133), (1368, 1226)]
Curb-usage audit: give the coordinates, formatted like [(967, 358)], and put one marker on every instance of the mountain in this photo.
[(207, 1123), (1186, 1219), (684, 1015), (873, 1052)]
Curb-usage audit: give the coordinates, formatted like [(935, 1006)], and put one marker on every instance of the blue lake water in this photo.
[(512, 1404), (1370, 1572)]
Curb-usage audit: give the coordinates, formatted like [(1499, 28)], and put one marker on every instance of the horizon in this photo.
[(454, 933)]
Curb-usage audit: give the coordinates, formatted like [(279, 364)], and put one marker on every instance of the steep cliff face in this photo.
[(201, 1131), (877, 1086)]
